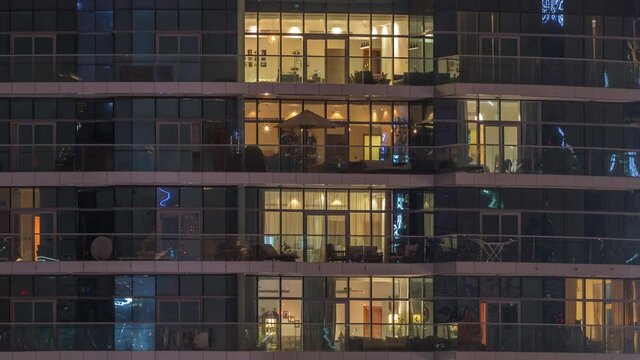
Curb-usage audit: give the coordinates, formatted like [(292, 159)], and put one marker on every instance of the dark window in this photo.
[(167, 285), (467, 286), (22, 286), (510, 287), (314, 287), (489, 286), (45, 286), (191, 285), (445, 286)]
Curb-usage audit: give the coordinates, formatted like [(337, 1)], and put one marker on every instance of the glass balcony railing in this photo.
[(537, 71), (279, 69), (534, 159), (392, 159), (208, 68), (319, 248), (330, 337), (533, 248)]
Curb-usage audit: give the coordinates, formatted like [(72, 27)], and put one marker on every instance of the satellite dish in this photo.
[(101, 248)]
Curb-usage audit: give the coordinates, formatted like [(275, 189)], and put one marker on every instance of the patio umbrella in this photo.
[(307, 120), (304, 121)]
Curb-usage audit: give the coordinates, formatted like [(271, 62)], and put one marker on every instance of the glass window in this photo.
[(488, 110), (190, 311), (416, 287), (314, 200), (314, 23), (337, 24), (268, 310), (45, 286), (379, 201), (381, 112), (123, 285), (467, 286), (250, 110), (510, 286), (250, 22), (268, 111), (381, 24), (292, 199), (337, 200), (316, 107), (359, 112), (382, 288), (359, 200), (594, 289), (489, 287), (269, 22), (290, 109), (337, 287), (401, 288), (21, 197), (594, 313), (22, 286), (360, 287), (144, 285), (401, 25), (122, 309), (191, 197), (614, 289), (359, 24), (167, 285), (337, 111), (314, 287), (144, 310), (216, 285), (168, 311), (23, 312), (510, 110), (271, 199), (268, 287), (292, 23), (291, 287), (574, 289)]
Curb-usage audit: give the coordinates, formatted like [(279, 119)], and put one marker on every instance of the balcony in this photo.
[(537, 71), (197, 68), (331, 337), (319, 248), (383, 159), (232, 68)]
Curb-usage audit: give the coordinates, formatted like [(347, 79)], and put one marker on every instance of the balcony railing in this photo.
[(330, 337), (281, 69), (319, 248), (391, 159), (205, 68), (537, 71)]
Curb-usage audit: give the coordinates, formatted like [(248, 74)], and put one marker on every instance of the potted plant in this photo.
[(287, 253)]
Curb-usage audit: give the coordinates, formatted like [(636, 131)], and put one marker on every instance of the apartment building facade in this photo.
[(434, 179)]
